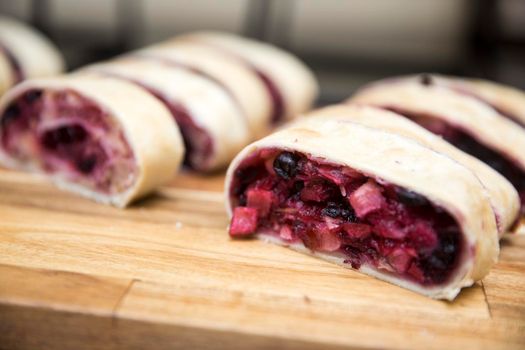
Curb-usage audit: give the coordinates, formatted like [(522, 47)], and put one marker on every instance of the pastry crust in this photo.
[(36, 54), (480, 120), (148, 127), (7, 78), (295, 80), (503, 195), (504, 98), (239, 80), (208, 104), (406, 163)]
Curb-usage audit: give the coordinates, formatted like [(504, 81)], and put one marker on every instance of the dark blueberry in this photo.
[(298, 227), (354, 257), (434, 262), (63, 135), (11, 113), (332, 210), (410, 198), (76, 133), (86, 165), (348, 214), (298, 186), (249, 174), (70, 134), (32, 96), (49, 140), (448, 248), (242, 199), (335, 210), (436, 265), (285, 165), (426, 79)]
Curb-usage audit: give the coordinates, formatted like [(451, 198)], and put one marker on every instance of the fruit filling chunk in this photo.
[(63, 132), (336, 210)]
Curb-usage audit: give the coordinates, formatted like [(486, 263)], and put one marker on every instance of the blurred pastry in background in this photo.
[(100, 137), (25, 53)]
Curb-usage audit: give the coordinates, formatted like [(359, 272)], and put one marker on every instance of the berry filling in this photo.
[(467, 143), (63, 132), (336, 210), (275, 95), (197, 142)]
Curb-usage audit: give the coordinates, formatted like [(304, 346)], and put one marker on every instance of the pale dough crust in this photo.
[(7, 78), (503, 195), (406, 163), (148, 127), (241, 81), (36, 54), (505, 98), (475, 117), (208, 104), (296, 82)]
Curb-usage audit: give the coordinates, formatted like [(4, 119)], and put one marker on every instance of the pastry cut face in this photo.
[(359, 197), (335, 209), (103, 138), (69, 134)]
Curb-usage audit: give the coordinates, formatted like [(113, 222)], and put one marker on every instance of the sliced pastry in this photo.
[(369, 200), (290, 83), (103, 138), (238, 80), (213, 126), (28, 52), (504, 197), (466, 122)]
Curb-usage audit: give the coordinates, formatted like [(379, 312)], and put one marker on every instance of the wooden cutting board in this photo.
[(163, 274)]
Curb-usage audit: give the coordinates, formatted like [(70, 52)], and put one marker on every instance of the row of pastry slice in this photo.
[(25, 53), (116, 130), (368, 188), (224, 88)]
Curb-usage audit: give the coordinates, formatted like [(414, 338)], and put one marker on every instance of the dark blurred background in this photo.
[(346, 42)]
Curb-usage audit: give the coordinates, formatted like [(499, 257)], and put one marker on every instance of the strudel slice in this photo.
[(29, 53), (103, 138), (369, 200)]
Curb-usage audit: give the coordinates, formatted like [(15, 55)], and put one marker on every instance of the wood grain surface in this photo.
[(163, 274)]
